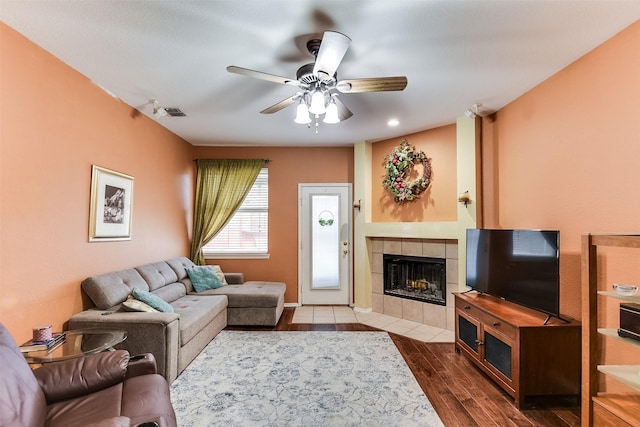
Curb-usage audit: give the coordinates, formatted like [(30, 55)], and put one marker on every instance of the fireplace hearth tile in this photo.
[(377, 263), (377, 283), (381, 321), (445, 336), (412, 247), (377, 303), (397, 328), (423, 333), (393, 246), (451, 249), (435, 315), (377, 245), (393, 306), (452, 270), (412, 310), (364, 317), (434, 249)]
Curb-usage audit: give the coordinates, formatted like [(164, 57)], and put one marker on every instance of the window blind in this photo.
[(246, 233)]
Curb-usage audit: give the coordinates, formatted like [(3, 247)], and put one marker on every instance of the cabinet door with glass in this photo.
[(498, 355), (468, 333)]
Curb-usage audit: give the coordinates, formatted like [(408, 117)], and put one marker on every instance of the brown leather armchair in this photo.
[(105, 389)]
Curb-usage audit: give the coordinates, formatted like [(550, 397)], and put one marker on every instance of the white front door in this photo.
[(324, 230)]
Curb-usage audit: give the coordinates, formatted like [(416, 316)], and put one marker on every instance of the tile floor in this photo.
[(344, 314)]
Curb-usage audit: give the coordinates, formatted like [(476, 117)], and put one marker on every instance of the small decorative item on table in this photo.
[(625, 290), (40, 345), (42, 333)]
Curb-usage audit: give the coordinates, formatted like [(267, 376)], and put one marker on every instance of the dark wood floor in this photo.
[(460, 393)]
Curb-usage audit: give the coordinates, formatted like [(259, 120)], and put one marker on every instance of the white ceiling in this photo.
[(454, 53)]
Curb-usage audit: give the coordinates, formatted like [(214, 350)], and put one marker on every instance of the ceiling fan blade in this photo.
[(343, 112), (280, 105), (260, 75), (375, 84), (332, 49)]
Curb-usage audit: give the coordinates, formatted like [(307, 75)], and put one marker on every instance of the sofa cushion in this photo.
[(219, 273), (132, 304), (85, 410), (153, 300), (146, 395), (196, 312), (82, 376), (251, 294), (179, 265), (110, 289), (203, 277), (157, 274), (171, 292)]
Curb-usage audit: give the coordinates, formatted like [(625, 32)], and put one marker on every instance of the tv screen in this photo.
[(521, 266)]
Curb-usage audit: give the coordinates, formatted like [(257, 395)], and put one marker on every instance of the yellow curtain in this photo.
[(221, 187)]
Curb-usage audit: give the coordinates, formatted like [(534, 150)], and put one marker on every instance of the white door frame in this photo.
[(349, 210)]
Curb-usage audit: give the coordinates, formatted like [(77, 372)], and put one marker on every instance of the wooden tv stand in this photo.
[(515, 348)]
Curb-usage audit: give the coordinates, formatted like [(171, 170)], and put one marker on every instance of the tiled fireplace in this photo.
[(426, 312)]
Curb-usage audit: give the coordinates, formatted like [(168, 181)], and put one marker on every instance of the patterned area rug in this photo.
[(246, 378)]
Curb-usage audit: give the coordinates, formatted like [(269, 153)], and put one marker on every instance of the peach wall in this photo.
[(54, 125), (566, 155), (289, 167), (438, 201)]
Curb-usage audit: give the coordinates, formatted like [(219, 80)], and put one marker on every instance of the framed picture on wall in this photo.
[(111, 205)]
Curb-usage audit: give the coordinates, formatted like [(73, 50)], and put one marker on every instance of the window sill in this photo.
[(236, 256)]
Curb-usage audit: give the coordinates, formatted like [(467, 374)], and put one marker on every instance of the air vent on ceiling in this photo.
[(174, 112)]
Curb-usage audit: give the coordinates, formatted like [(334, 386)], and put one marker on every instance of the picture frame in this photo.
[(111, 205)]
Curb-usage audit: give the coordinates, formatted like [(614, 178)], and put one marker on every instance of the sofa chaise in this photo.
[(176, 338)]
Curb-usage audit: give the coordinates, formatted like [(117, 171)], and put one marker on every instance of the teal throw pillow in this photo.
[(203, 277), (152, 300)]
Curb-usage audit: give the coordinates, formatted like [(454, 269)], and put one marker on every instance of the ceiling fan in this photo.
[(318, 82)]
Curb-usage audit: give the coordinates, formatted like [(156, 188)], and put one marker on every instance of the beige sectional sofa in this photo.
[(175, 339)]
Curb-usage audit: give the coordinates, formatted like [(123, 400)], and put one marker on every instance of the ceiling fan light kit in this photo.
[(302, 114), (317, 102), (331, 115), (319, 82)]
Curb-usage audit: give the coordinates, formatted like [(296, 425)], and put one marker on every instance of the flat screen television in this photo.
[(521, 266)]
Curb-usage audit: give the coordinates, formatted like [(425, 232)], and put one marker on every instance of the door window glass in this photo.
[(325, 241)]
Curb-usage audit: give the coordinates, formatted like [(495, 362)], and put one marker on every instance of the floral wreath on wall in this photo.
[(398, 165)]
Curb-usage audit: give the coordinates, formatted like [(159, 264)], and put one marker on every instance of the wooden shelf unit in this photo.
[(514, 347), (598, 408)]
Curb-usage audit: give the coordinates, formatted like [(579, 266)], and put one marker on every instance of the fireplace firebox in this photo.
[(417, 278)]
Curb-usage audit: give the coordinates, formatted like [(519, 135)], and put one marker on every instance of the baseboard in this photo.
[(291, 304)]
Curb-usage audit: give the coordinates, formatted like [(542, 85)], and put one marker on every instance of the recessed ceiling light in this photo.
[(393, 122)]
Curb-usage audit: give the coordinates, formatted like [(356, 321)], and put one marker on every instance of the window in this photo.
[(246, 234)]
